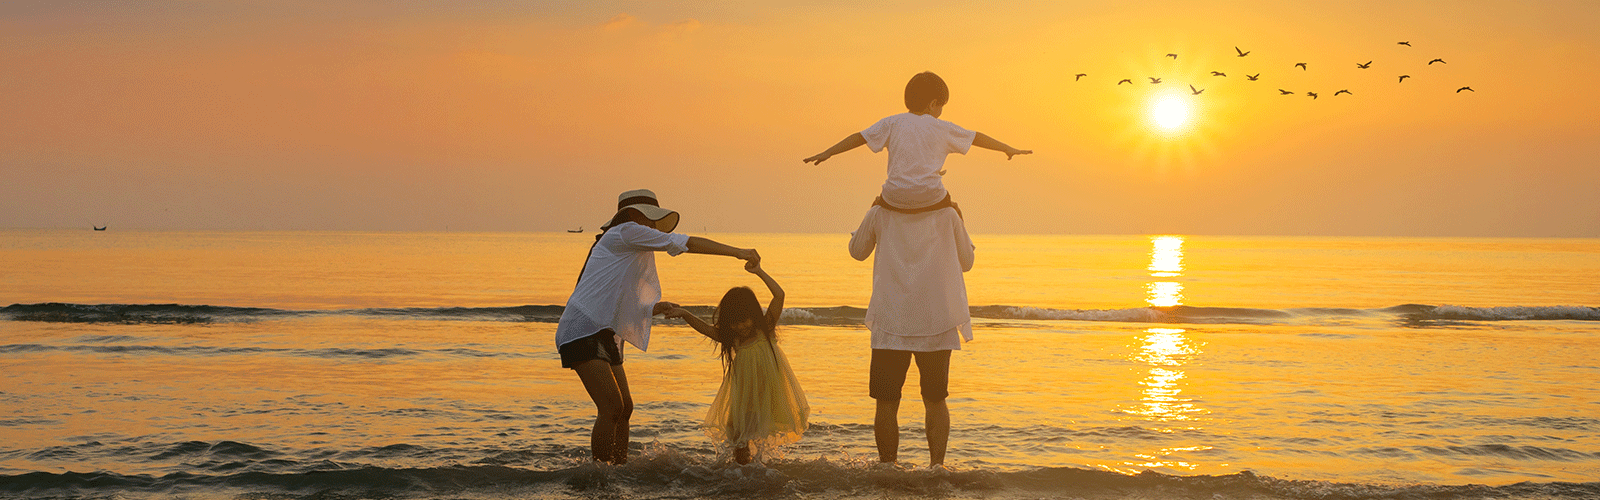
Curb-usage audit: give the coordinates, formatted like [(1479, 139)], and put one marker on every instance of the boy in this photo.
[(918, 142), (919, 298)]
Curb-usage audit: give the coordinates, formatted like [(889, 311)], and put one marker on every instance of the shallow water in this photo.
[(422, 365)]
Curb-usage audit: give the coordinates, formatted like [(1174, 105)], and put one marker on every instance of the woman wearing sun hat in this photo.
[(616, 294)]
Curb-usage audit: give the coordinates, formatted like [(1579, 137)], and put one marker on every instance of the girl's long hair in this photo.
[(738, 304)]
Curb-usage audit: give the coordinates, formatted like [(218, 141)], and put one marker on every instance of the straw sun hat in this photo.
[(644, 201)]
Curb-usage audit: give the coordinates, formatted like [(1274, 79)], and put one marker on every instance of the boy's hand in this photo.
[(1015, 151), (817, 159), (663, 308)]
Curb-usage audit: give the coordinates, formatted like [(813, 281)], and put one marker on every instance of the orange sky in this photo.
[(532, 116)]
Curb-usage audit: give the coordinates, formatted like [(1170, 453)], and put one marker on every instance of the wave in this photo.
[(242, 470), (1416, 314)]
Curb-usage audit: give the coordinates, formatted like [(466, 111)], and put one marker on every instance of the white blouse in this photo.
[(919, 297), (619, 286)]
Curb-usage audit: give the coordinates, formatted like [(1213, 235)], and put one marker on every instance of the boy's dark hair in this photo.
[(924, 89)]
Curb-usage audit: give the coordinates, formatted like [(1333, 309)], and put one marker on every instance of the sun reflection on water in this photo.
[(1166, 261), (1164, 404)]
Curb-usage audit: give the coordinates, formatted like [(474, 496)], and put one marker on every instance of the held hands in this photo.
[(750, 258), (664, 308)]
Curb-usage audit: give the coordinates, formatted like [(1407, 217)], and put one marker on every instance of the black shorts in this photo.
[(889, 373), (602, 346)]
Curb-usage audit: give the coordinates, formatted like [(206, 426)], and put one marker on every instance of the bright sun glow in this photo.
[(1170, 113)]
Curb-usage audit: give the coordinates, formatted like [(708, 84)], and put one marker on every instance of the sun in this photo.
[(1170, 113)]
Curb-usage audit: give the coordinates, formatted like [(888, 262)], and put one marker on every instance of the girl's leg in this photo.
[(620, 436), (606, 393), (742, 454)]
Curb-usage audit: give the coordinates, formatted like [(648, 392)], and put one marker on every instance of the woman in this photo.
[(616, 295)]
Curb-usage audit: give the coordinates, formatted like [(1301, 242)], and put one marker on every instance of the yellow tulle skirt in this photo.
[(760, 404)]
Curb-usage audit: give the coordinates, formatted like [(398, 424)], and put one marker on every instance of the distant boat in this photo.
[(578, 230), (99, 228)]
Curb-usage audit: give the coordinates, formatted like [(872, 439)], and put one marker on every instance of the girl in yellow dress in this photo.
[(760, 404)]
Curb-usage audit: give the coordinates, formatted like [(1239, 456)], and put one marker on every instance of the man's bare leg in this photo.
[(886, 428), (938, 427)]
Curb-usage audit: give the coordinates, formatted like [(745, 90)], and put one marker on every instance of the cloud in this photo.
[(622, 20)]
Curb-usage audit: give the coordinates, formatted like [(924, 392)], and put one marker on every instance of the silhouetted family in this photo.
[(918, 309)]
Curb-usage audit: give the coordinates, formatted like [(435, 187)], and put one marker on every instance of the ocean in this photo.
[(145, 364)]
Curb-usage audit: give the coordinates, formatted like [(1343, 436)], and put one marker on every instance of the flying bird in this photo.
[(1253, 77), (1341, 91), (1241, 52), (1408, 44), (1440, 61), (1218, 73), (1284, 92), (1301, 65), (1198, 91), (1364, 66), (1458, 91), (1403, 78), (1125, 80), (1079, 75), (1173, 56), (1312, 94), (1154, 80)]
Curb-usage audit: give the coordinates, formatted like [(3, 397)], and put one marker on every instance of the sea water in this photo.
[(422, 365)]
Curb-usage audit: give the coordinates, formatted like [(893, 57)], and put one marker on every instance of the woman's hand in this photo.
[(664, 308)]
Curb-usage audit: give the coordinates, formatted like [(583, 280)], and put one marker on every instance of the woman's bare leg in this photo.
[(606, 392), (620, 436)]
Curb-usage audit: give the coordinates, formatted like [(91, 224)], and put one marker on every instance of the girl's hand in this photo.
[(663, 308), (754, 266)]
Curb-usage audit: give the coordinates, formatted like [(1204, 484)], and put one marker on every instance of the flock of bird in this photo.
[(1255, 77)]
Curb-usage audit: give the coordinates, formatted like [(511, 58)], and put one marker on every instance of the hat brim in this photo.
[(660, 218)]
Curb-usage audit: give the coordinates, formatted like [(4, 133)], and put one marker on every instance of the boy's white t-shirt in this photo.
[(917, 147)]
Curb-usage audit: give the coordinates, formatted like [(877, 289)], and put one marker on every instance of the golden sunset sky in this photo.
[(532, 116)]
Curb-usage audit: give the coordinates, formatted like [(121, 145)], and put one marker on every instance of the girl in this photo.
[(760, 403)]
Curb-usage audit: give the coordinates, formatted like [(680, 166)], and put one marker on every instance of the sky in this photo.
[(532, 115)]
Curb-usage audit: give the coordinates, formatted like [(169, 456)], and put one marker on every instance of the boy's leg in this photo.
[(604, 390), (934, 369), (888, 375)]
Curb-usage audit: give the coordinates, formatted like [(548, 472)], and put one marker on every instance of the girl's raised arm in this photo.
[(775, 309)]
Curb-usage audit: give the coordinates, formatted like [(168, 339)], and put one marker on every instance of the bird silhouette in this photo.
[(1440, 61), (1342, 91), (1458, 91), (1312, 94), (1408, 44), (1253, 77), (1079, 75), (1173, 56), (1154, 80), (1301, 65), (1241, 52), (1403, 78), (1218, 73), (1196, 91), (1124, 80), (1284, 92), (1364, 66)]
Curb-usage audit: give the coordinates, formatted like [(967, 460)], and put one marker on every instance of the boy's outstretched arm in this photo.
[(848, 143), (986, 142)]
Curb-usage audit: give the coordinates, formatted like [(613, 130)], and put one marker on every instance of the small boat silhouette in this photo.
[(103, 228), (578, 230)]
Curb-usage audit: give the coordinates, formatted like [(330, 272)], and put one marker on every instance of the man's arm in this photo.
[(986, 142), (848, 143)]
